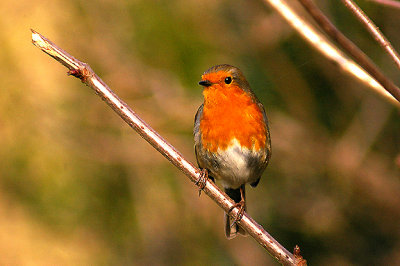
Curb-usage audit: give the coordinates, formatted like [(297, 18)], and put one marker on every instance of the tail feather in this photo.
[(231, 231)]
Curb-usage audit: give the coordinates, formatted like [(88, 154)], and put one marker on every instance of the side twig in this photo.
[(316, 39), (373, 29), (86, 75), (351, 48)]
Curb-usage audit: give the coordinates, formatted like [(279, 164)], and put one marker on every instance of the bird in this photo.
[(231, 136)]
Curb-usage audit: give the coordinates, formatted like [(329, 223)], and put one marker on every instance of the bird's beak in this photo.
[(205, 83)]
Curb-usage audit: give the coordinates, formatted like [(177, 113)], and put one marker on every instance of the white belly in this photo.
[(237, 166)]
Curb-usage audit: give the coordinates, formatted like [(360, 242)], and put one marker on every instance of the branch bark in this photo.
[(316, 39), (87, 76), (350, 47)]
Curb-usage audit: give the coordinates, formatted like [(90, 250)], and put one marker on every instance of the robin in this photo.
[(232, 139)]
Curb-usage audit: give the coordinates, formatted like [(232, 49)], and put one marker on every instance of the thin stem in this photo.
[(86, 74), (351, 48), (390, 3), (319, 42), (373, 29)]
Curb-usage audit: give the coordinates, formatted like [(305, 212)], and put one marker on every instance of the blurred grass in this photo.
[(78, 186)]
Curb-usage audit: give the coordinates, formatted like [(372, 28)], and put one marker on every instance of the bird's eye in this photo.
[(228, 80)]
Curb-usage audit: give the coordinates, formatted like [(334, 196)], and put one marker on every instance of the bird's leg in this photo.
[(202, 181), (241, 207)]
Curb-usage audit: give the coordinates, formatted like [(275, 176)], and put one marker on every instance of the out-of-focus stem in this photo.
[(374, 30), (319, 42), (389, 3)]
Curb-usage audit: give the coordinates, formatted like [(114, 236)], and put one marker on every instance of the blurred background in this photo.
[(79, 187)]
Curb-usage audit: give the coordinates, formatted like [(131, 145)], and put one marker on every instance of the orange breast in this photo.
[(230, 113)]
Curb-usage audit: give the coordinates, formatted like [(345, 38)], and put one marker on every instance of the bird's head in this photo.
[(224, 76)]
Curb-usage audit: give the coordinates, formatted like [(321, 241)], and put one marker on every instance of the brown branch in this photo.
[(87, 76), (373, 29), (351, 48), (389, 3)]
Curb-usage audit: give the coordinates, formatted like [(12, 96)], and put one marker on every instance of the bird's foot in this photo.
[(240, 213), (202, 181)]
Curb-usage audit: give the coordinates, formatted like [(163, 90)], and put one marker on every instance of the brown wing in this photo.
[(196, 132), (268, 141)]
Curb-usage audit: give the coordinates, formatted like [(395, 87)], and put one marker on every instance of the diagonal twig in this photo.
[(86, 75), (316, 39), (351, 48), (373, 29)]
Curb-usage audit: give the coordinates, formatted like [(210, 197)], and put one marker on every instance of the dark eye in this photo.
[(228, 80)]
